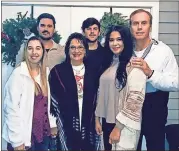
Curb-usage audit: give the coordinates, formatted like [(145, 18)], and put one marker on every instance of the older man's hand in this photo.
[(141, 64)]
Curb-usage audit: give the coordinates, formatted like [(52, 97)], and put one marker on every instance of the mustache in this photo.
[(45, 31), (92, 35)]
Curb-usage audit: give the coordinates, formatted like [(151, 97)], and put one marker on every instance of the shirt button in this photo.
[(45, 113), (45, 105), (45, 121)]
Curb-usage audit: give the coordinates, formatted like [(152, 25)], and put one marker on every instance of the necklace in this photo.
[(147, 50), (78, 71)]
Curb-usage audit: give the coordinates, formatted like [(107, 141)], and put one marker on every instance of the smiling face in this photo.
[(115, 42), (77, 51), (91, 33), (140, 26), (34, 51)]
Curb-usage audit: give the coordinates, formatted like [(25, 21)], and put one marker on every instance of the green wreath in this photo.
[(13, 35), (109, 19)]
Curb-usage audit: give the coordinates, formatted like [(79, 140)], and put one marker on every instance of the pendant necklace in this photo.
[(78, 71)]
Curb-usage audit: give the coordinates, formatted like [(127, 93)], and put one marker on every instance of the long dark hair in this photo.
[(79, 37), (124, 57)]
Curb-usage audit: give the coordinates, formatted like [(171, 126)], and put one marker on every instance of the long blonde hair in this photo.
[(42, 67)]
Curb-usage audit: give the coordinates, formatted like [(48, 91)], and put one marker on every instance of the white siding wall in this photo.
[(169, 33)]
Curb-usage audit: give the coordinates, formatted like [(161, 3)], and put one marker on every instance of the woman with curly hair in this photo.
[(73, 91)]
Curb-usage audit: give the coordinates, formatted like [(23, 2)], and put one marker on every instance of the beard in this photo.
[(45, 38)]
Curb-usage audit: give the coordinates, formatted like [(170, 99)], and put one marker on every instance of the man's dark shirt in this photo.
[(95, 58)]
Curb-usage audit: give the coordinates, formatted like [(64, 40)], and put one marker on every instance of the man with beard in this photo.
[(95, 55), (46, 28)]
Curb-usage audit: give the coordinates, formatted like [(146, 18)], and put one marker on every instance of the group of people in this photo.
[(82, 91)]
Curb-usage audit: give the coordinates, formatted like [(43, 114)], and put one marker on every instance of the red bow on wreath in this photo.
[(5, 36)]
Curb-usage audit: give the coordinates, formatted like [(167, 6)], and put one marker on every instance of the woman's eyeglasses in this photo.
[(73, 48)]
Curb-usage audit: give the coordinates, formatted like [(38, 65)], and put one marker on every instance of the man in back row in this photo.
[(46, 28), (157, 61), (95, 55)]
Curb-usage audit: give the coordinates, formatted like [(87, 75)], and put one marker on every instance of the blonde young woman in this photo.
[(28, 123)]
